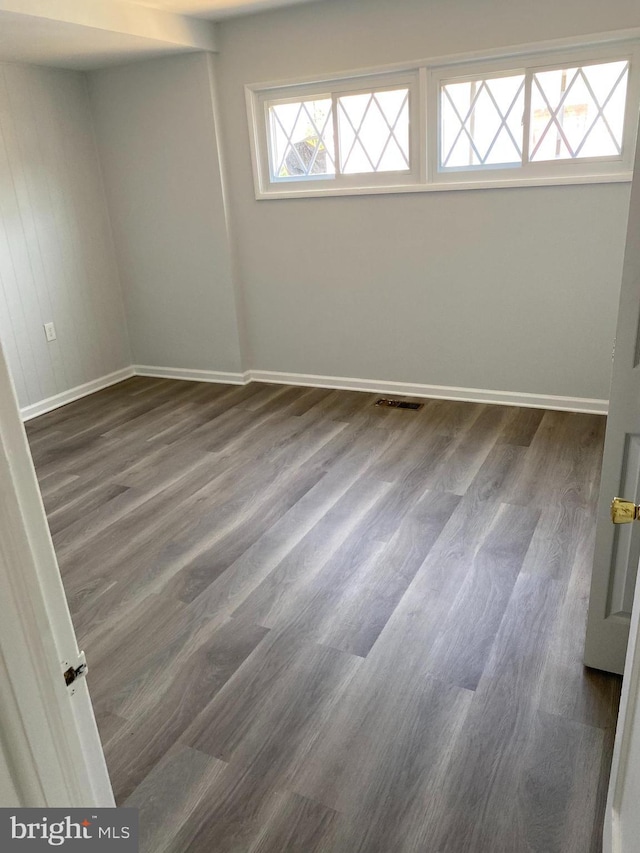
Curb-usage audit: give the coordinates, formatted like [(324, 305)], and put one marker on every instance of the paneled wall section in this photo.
[(56, 255)]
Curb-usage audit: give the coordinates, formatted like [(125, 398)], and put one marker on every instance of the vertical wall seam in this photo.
[(108, 212), (232, 243)]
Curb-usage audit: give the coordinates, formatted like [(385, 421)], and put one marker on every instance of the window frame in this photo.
[(259, 101), (582, 168), (423, 80)]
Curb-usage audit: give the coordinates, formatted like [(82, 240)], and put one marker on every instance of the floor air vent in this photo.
[(398, 404)]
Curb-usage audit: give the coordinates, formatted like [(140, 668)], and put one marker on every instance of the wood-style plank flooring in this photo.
[(318, 626)]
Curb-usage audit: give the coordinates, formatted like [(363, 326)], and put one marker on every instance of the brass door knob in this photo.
[(622, 512)]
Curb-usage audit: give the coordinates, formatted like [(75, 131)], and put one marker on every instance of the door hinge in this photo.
[(77, 670)]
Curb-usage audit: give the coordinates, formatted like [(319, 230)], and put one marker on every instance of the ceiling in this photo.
[(217, 9), (87, 34)]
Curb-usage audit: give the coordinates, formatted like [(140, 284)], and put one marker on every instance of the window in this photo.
[(530, 118), (344, 134), (371, 134), (301, 139), (517, 119), (578, 112), (481, 122)]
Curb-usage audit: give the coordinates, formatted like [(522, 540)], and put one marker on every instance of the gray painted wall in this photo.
[(157, 138), (513, 290), (56, 251)]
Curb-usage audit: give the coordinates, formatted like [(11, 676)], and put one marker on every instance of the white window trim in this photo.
[(423, 78)]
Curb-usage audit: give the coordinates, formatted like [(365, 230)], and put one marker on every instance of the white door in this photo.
[(622, 821), (617, 548), (50, 751)]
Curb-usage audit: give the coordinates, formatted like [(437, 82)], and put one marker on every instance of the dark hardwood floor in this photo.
[(318, 626)]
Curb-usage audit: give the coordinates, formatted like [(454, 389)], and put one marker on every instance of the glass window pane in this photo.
[(481, 122), (373, 131), (578, 112), (301, 139)]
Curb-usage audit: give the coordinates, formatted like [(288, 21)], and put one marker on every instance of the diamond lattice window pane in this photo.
[(578, 112), (481, 122), (302, 139), (373, 131)]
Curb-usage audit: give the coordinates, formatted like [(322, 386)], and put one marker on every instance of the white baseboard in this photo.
[(442, 392), (193, 375), (51, 403), (310, 380)]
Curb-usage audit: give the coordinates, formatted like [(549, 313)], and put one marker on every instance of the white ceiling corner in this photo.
[(86, 34)]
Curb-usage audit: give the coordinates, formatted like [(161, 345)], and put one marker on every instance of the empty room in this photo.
[(320, 425)]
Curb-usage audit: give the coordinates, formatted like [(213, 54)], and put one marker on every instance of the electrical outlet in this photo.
[(50, 331)]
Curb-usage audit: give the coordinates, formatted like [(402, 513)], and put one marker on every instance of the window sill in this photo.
[(447, 186)]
